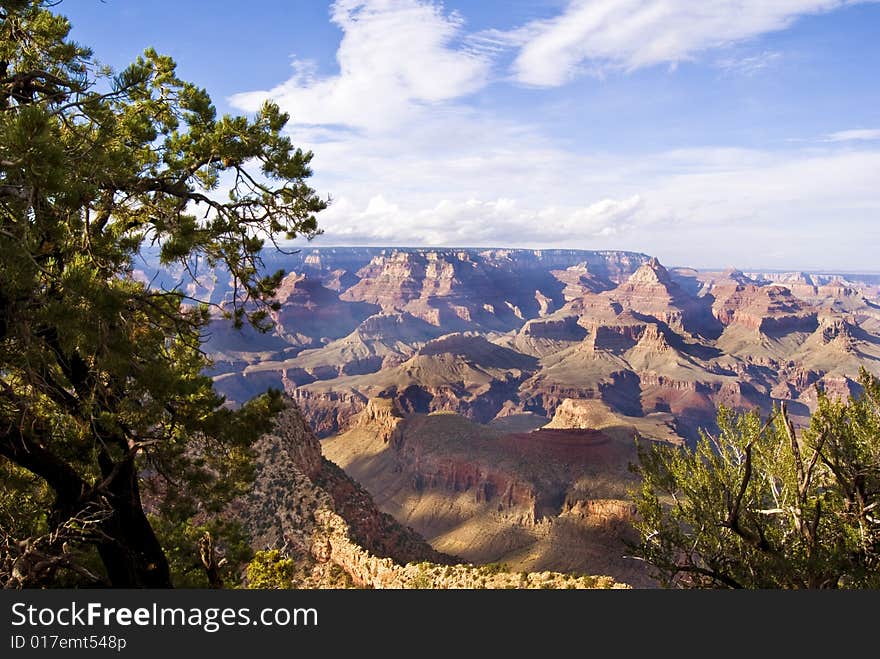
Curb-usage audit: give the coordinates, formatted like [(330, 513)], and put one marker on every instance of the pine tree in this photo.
[(102, 385)]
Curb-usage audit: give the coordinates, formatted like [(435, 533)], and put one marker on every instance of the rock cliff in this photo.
[(309, 508), (491, 495)]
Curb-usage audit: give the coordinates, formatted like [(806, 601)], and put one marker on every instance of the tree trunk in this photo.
[(132, 555), (208, 555)]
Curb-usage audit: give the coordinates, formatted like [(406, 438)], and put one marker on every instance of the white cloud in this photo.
[(599, 35), (750, 65), (472, 222), (409, 161), (858, 134), (395, 57), (699, 207)]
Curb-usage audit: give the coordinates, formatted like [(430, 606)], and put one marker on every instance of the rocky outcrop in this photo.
[(382, 416), (609, 513), (578, 413), (329, 412), (597, 415), (311, 510), (618, 336), (565, 328), (540, 337), (369, 571), (837, 331), (772, 310), (546, 304), (580, 280), (653, 340), (650, 294), (338, 280), (651, 291), (834, 386), (294, 481), (796, 381)]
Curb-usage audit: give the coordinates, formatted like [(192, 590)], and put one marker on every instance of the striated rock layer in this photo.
[(644, 342), (309, 508), (553, 498)]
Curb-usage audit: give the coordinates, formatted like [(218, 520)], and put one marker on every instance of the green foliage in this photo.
[(423, 578), (758, 507), (495, 568), (270, 569), (24, 502), (180, 539), (101, 376)]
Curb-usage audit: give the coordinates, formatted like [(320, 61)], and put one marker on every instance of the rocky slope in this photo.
[(309, 508), (294, 481), (550, 499)]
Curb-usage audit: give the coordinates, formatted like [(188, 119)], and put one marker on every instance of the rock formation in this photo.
[(490, 495), (463, 386), (309, 508)]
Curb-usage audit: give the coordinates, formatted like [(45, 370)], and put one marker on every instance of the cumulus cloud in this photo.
[(857, 134), (474, 222), (409, 160), (395, 57), (699, 207), (600, 35)]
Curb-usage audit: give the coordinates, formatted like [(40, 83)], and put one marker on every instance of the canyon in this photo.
[(306, 508), (493, 333), (490, 401)]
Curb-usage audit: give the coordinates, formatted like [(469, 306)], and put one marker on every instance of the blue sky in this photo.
[(724, 132)]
